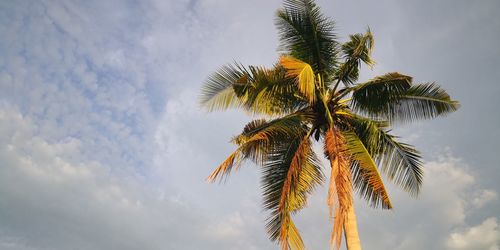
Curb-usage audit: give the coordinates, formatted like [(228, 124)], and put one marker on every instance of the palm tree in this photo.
[(312, 93)]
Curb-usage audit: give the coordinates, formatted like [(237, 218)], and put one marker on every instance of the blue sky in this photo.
[(103, 144)]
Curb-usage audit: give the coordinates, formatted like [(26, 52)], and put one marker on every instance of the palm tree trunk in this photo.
[(351, 231)]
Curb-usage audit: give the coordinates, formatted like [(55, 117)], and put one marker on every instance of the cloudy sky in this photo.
[(103, 144)]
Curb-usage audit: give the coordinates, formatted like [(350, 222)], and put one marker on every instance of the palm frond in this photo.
[(307, 35), (366, 168), (286, 233), (304, 75), (401, 162), (256, 141), (340, 190), (217, 93), (289, 201), (392, 97), (225, 168), (255, 89), (376, 94), (289, 174), (358, 49), (423, 101), (271, 92), (283, 127)]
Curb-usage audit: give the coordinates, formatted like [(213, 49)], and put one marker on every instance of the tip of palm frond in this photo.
[(290, 238), (225, 168), (337, 229), (213, 176), (370, 40), (210, 179)]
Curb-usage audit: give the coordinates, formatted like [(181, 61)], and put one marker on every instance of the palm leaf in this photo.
[(217, 93), (376, 94), (340, 190), (423, 101), (255, 89), (392, 97), (307, 35), (367, 168), (402, 164), (304, 75), (289, 174), (256, 141), (225, 168), (270, 92), (358, 49), (399, 161)]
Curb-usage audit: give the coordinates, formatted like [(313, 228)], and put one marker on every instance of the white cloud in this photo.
[(485, 236), (444, 206), (71, 75), (50, 198), (484, 197)]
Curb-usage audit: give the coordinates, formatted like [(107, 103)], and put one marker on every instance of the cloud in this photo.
[(485, 236), (80, 87), (47, 197), (52, 199), (445, 205), (484, 197)]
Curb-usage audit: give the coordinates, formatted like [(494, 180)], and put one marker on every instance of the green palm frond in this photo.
[(375, 95), (285, 126), (358, 49), (257, 140), (289, 174), (394, 98), (255, 89), (367, 172), (423, 101), (217, 93), (269, 91), (307, 35), (401, 162)]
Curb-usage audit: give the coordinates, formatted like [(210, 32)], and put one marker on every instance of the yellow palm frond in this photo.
[(360, 153), (254, 141), (234, 159), (340, 190), (304, 74), (290, 175), (289, 235), (226, 166), (222, 100), (292, 198), (289, 201)]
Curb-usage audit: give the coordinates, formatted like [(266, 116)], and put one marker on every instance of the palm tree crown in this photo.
[(312, 93)]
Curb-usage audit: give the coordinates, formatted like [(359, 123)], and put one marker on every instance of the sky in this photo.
[(103, 144)]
